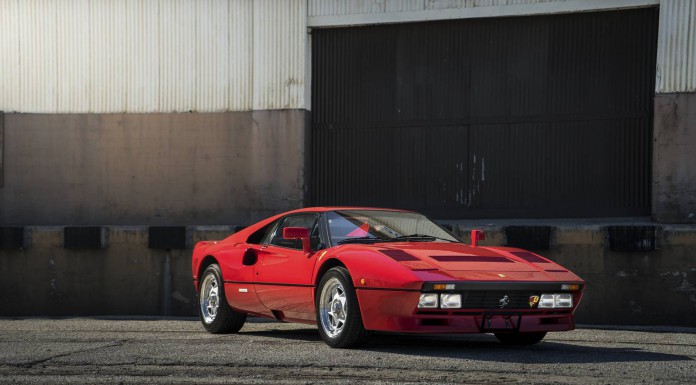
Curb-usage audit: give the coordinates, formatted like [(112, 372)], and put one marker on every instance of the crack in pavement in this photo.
[(31, 364)]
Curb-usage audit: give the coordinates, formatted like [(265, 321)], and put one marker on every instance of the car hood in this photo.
[(464, 262)]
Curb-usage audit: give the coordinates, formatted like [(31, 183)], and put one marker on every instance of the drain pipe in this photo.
[(167, 284)]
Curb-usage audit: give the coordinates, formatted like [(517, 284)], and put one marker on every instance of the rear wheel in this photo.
[(520, 338), (216, 315), (338, 313)]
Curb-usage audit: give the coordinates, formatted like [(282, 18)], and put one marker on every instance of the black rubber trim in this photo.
[(270, 283), (303, 285), (497, 285), (387, 289)]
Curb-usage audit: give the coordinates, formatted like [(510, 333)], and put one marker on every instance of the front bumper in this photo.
[(396, 311)]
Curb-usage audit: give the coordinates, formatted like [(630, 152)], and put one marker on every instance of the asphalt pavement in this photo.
[(156, 351)]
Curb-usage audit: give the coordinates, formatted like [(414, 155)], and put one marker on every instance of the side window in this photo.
[(309, 221), (269, 232), (262, 235)]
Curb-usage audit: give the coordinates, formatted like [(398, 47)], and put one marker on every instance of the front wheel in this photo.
[(338, 313), (216, 315), (520, 338)]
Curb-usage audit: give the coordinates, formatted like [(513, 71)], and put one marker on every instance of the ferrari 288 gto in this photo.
[(352, 271)]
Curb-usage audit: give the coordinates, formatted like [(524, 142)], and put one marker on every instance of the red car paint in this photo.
[(388, 278)]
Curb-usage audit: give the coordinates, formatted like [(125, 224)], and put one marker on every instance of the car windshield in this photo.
[(371, 226)]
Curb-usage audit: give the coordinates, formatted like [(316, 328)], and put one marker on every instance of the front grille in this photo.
[(491, 299)]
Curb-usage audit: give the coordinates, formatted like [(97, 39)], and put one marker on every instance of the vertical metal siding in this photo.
[(445, 4), (241, 69), (152, 56), (107, 53), (37, 50), (404, 5), (676, 54), (177, 55), (142, 58), (72, 56), (342, 7), (212, 84), (10, 85), (279, 44), (543, 116)]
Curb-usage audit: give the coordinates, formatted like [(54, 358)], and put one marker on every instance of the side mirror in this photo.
[(298, 233), (477, 235)]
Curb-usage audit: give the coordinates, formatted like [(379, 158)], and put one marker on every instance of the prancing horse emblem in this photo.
[(504, 301)]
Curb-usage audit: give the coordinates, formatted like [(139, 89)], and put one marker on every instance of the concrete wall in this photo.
[(674, 158), (627, 288), (127, 278), (149, 169)]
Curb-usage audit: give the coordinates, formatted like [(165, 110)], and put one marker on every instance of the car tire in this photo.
[(520, 338), (338, 312), (215, 313)]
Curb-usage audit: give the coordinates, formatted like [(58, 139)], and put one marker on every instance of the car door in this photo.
[(283, 277)]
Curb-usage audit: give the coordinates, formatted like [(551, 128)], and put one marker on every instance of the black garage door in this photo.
[(543, 116)]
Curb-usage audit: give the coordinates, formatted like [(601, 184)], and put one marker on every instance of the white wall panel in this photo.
[(107, 55), (279, 43), (143, 58), (405, 5), (37, 55), (337, 13), (343, 7), (212, 84), (73, 56), (240, 35), (152, 55), (178, 64), (676, 47), (9, 56), (444, 4)]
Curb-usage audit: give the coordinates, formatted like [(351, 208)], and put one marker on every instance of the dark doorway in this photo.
[(519, 117)]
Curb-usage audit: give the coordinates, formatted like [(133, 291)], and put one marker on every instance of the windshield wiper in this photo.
[(362, 240), (421, 238)]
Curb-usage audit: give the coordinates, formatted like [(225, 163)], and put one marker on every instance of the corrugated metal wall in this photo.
[(676, 52), (676, 57), (280, 30), (9, 58), (342, 7), (373, 7), (543, 116), (216, 55), (152, 56)]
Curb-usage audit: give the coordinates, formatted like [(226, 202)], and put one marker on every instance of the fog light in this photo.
[(546, 301), (551, 301), (564, 300), (428, 301), (450, 301)]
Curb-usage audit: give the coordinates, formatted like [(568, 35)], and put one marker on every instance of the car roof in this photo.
[(243, 234), (343, 208)]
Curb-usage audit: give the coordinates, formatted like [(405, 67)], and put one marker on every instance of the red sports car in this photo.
[(353, 270)]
